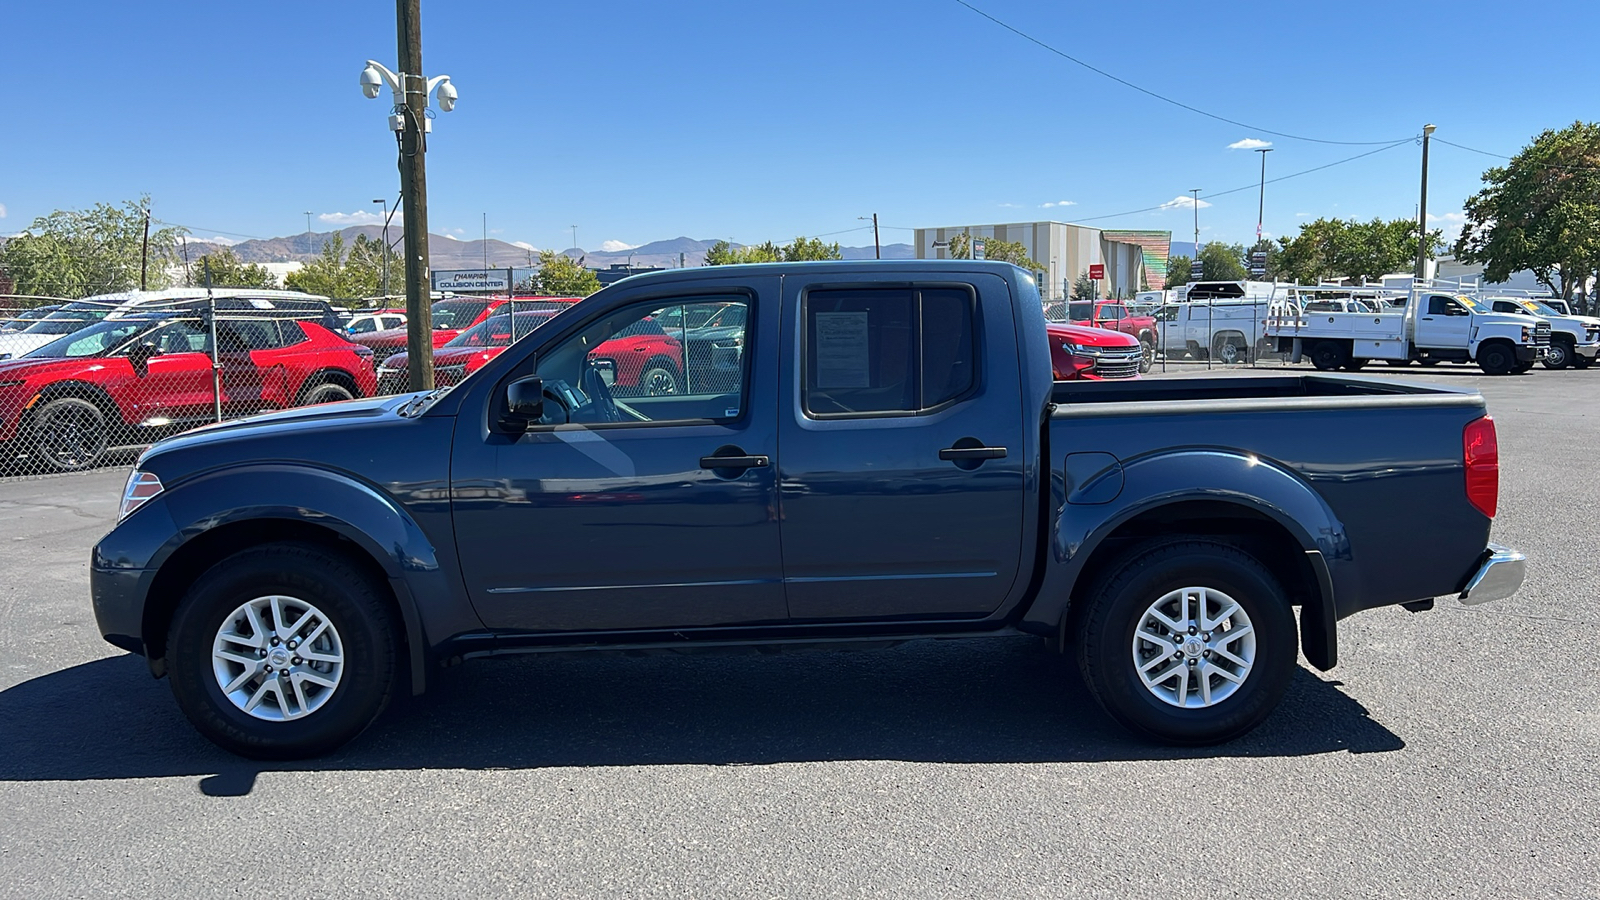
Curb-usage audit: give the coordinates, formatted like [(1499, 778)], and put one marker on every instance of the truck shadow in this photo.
[(986, 701)]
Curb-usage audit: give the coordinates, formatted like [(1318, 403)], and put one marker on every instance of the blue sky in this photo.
[(755, 121)]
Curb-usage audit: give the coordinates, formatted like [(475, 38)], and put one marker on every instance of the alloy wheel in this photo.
[(277, 658), (1194, 647)]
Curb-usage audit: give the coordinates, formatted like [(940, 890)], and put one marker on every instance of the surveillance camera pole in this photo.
[(414, 192)]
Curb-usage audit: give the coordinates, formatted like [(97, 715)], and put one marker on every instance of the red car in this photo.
[(641, 360), (450, 318), (1112, 315), (1093, 354), (124, 381)]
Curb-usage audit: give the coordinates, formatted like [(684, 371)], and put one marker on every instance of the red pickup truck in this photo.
[(131, 380), (1113, 315), (450, 317), (1078, 352), (642, 360)]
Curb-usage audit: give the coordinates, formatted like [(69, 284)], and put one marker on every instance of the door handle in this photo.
[(977, 453), (734, 462)]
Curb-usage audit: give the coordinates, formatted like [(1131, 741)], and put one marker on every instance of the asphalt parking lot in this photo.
[(1451, 754)]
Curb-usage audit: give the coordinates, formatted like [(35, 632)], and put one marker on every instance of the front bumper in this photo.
[(1530, 353), (1499, 576), (1587, 350)]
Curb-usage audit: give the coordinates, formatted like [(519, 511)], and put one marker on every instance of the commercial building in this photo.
[(1065, 252)]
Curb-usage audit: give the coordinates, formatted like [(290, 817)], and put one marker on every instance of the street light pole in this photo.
[(385, 255), (409, 119), (574, 237), (308, 230), (1422, 209), (1196, 193), (1261, 204), (877, 248)]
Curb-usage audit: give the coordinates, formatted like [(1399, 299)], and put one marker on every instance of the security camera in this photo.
[(447, 95), (371, 82)]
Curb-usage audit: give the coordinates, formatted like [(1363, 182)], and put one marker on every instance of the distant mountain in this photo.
[(449, 253)]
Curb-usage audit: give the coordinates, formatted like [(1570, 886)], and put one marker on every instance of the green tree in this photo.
[(343, 275), (1540, 212), (1013, 252), (1083, 287), (1179, 269), (76, 253), (562, 276), (1334, 248), (227, 270), (1223, 262), (802, 249)]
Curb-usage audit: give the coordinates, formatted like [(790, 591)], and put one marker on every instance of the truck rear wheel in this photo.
[(1188, 641), (1329, 355), (282, 651)]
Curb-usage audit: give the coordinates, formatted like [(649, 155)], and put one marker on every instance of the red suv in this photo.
[(450, 318), (130, 380), (642, 359)]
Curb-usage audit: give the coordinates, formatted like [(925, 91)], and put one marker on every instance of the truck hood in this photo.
[(283, 423), (1090, 337)]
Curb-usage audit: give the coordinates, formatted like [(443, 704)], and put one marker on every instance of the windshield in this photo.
[(95, 340), (457, 313), (69, 318), (1080, 312), (1476, 306), (1540, 309), (496, 331)]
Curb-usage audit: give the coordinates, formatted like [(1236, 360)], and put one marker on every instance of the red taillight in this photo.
[(1481, 454)]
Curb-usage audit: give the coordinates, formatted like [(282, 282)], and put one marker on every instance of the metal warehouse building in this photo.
[(1133, 260)]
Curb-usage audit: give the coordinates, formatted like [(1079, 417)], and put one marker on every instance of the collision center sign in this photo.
[(472, 280), (1097, 271)]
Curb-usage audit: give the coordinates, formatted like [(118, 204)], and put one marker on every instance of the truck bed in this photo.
[(1291, 391)]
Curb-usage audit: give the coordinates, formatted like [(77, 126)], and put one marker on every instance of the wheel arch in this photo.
[(81, 390), (326, 375), (1267, 511)]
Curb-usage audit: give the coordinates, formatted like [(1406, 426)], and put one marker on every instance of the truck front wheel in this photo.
[(1559, 355), (1497, 358), (1188, 641), (282, 651), (1329, 355)]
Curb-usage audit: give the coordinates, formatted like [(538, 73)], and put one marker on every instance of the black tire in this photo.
[(1354, 365), (1559, 355), (1497, 358), (1579, 361), (1329, 355), (70, 434), (1230, 351), (1429, 363), (1147, 355), (325, 392), (1522, 368), (660, 378), (1104, 628), (352, 603)]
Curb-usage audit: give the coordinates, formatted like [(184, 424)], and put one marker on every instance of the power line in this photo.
[(1248, 187), (1165, 99), (1440, 140)]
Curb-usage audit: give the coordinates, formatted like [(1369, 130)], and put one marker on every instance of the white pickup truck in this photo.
[(1574, 340), (1435, 326)]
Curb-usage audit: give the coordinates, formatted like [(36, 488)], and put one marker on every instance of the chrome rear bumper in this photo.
[(1498, 577)]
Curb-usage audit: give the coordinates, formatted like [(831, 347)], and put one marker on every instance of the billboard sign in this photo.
[(472, 280)]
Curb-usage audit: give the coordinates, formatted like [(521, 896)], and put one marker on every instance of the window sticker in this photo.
[(842, 350)]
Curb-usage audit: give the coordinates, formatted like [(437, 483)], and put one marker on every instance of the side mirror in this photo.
[(524, 404), (140, 355)]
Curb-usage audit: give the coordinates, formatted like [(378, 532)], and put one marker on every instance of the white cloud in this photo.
[(2, 210), (1452, 223), (616, 246), (449, 237), (1302, 215), (1011, 206), (1448, 217), (1249, 144), (525, 245), (1059, 203), (219, 239), (361, 217), (1183, 201)]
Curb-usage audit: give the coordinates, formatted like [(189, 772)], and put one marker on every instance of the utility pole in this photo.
[(1422, 209), (414, 193), (1196, 193), (308, 230), (877, 248), (144, 254), (1261, 204), (574, 237)]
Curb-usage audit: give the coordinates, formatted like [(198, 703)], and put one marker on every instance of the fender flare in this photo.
[(337, 502), (1165, 478)]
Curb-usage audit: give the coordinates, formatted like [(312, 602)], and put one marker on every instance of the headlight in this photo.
[(1527, 334), (457, 371), (732, 343), (1082, 350), (142, 487)]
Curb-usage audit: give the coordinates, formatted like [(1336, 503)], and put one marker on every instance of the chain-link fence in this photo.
[(87, 383)]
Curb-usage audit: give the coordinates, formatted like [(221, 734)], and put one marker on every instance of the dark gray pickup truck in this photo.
[(875, 453)]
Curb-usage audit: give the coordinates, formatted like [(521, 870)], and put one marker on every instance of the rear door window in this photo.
[(888, 351)]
